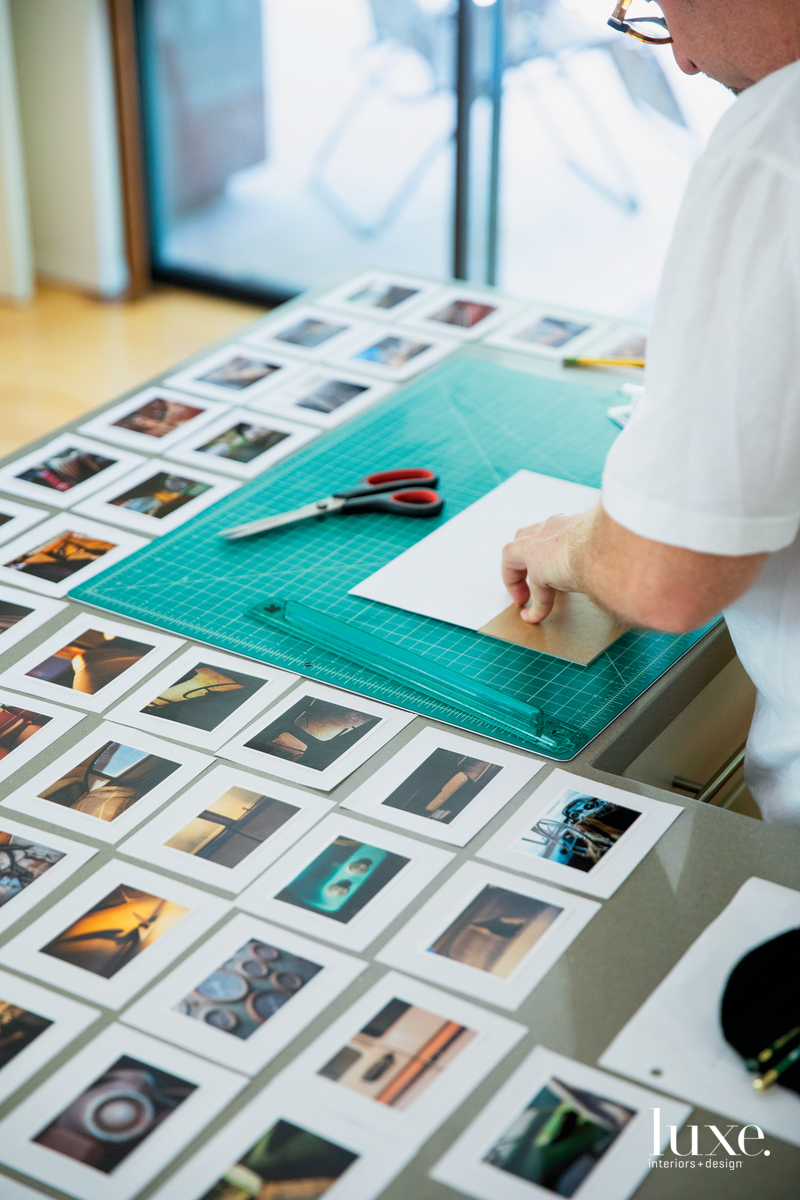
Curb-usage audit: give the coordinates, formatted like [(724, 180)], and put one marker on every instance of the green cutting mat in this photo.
[(476, 424)]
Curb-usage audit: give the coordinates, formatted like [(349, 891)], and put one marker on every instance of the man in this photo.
[(701, 493)]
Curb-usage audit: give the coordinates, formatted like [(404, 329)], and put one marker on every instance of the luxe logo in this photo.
[(726, 1143)]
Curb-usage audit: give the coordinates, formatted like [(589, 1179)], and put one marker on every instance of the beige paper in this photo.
[(576, 629)]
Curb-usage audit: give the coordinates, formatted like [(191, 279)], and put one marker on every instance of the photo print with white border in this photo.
[(243, 443), (108, 783), (28, 727), (403, 1058), (35, 1025), (523, 1144), (21, 613), (345, 881), (306, 331), (316, 736), (227, 829), (113, 933), (32, 865), (324, 397), (234, 374), (580, 834), (622, 341), (381, 295), (489, 934), (152, 420), (550, 330), (154, 1098), (394, 352), (443, 786), (203, 697), (157, 497), (66, 470), (90, 662), (462, 312), (267, 1140), (245, 993), (16, 518), (64, 551)]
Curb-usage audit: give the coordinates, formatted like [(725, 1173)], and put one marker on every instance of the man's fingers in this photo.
[(541, 605), (515, 572)]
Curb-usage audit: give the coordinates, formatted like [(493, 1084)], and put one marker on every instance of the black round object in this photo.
[(761, 1002), (221, 1018)]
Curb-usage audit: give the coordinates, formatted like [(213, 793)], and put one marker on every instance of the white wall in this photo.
[(16, 258), (66, 93)]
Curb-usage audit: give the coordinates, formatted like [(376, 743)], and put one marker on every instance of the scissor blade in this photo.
[(319, 508)]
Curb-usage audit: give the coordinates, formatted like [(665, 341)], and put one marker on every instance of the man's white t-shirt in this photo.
[(711, 459)]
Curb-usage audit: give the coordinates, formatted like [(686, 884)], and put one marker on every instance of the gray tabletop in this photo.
[(609, 970)]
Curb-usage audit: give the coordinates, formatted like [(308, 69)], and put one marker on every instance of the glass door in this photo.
[(518, 142)]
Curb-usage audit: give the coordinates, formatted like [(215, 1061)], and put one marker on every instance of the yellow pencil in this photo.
[(603, 362)]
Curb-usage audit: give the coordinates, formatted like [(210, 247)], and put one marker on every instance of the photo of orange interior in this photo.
[(115, 931), (496, 930), (158, 417), (232, 827), (398, 1054), (109, 781), (313, 732), (90, 661), (60, 557), (17, 726)]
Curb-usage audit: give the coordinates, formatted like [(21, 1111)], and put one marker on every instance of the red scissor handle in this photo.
[(408, 502), (389, 481)]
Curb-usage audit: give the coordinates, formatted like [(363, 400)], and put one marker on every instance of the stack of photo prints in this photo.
[(206, 889)]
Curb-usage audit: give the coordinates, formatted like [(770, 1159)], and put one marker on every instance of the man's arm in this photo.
[(643, 582)]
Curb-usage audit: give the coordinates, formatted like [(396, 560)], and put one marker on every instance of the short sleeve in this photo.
[(711, 459)]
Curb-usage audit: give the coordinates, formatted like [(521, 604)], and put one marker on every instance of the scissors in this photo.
[(410, 494)]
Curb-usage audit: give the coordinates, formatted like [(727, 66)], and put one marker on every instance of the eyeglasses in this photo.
[(643, 28)]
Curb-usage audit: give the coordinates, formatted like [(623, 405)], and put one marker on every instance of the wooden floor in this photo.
[(66, 353)]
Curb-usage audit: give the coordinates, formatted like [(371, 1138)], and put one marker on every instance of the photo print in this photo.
[(558, 1128), (403, 1057), (33, 864), (623, 341), (381, 295), (203, 697), (243, 995), (16, 518), (243, 443), (305, 330), (113, 933), (324, 397), (344, 881), (27, 729), (551, 332), (580, 834), (152, 420), (463, 313), (316, 735), (63, 552), (157, 497), (108, 783), (489, 934), (90, 662), (235, 374), (35, 1025), (227, 828), (113, 1116), (65, 470), (393, 352), (443, 786), (285, 1144), (21, 613)]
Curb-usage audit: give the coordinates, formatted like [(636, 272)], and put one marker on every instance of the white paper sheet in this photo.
[(454, 573), (675, 1040)]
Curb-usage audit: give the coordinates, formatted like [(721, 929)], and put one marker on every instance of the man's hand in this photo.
[(640, 581), (545, 559)]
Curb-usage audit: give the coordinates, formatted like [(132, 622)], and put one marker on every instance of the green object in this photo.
[(476, 424)]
